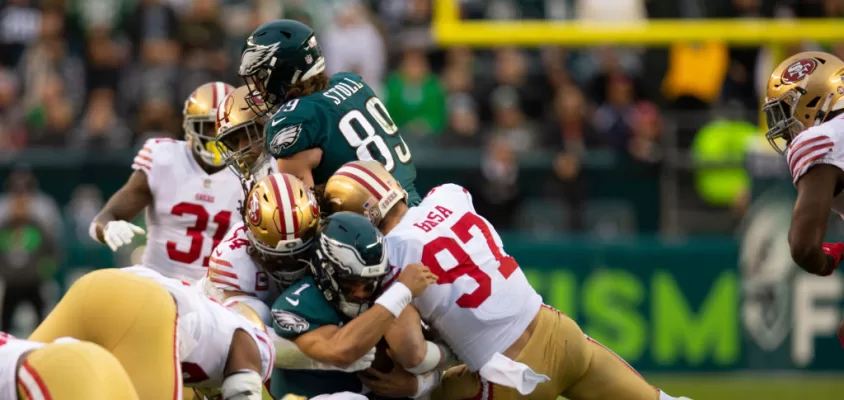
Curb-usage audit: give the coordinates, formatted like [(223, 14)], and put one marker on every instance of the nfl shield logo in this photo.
[(309, 59)]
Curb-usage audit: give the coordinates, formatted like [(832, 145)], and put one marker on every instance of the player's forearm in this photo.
[(806, 241), (406, 339), (361, 334)]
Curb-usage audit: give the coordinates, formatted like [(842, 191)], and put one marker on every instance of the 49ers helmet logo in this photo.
[(253, 212), (799, 70)]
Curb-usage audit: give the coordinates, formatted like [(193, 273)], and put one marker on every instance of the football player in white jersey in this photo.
[(263, 253), (803, 109), (190, 196), (482, 306), (165, 333), (66, 369)]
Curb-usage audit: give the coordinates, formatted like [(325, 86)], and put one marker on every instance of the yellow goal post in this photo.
[(449, 30)]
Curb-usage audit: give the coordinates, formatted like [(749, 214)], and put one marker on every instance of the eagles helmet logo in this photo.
[(290, 322), (285, 138), (254, 56)]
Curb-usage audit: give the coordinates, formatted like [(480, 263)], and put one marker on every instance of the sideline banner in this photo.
[(661, 306)]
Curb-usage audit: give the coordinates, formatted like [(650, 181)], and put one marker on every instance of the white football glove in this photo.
[(119, 233), (362, 363)]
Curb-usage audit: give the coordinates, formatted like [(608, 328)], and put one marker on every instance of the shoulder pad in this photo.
[(811, 147), (346, 74), (156, 153), (450, 191), (294, 128), (301, 308), (231, 268), (288, 324)]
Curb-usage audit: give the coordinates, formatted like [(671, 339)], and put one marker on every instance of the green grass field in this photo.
[(748, 387), (752, 387)]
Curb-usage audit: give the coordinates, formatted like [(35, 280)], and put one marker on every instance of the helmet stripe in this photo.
[(220, 92), (282, 202), (370, 174), (294, 216), (351, 175)]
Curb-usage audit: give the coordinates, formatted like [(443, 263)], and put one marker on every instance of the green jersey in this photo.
[(349, 123), (299, 310)]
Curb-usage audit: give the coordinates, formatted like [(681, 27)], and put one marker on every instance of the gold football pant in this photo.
[(132, 317), (579, 367), (73, 371)]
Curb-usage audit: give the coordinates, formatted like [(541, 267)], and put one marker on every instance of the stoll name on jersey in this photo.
[(342, 91)]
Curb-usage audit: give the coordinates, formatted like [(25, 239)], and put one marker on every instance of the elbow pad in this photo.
[(243, 385)]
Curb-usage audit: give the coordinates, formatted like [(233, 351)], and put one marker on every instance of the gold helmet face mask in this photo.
[(198, 120), (240, 136), (281, 215), (364, 187), (802, 91)]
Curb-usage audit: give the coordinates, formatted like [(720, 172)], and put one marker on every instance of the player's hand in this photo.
[(119, 233), (836, 251), (417, 278), (362, 363), (396, 383)]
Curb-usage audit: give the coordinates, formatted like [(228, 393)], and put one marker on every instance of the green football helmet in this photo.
[(349, 261), (277, 55)]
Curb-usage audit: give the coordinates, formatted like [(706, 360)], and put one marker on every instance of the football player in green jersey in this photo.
[(319, 122), (330, 315)]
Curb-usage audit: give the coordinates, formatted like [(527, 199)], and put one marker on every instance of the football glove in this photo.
[(836, 250), (119, 233)]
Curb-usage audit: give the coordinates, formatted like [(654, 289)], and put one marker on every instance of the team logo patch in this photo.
[(799, 70), (290, 322), (309, 59), (254, 213), (285, 138)]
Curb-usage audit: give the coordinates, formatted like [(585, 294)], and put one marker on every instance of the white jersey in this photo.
[(190, 212), (822, 144), (205, 330), (11, 350), (482, 301), (231, 268)]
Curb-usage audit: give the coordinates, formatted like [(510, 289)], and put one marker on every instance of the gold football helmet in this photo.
[(198, 119), (240, 136), (281, 215), (364, 187), (802, 92)]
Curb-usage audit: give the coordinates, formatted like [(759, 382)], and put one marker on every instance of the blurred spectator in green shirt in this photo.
[(415, 97)]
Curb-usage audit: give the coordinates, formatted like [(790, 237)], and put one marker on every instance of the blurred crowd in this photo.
[(107, 74), (104, 75)]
